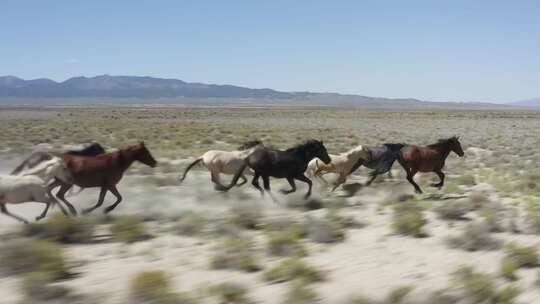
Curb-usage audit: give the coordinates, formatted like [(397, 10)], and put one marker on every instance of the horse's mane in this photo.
[(303, 145), (443, 141), (250, 144), (91, 150)]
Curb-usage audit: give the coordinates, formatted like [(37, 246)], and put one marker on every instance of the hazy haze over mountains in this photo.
[(122, 89)]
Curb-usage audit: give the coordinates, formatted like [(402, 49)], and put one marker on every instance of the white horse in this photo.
[(31, 186), (226, 162), (340, 164)]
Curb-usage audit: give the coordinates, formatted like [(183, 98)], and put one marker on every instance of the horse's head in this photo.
[(143, 155), (361, 152), (250, 144), (455, 145), (315, 148), (394, 147)]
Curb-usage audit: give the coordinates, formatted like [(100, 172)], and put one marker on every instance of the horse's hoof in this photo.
[(418, 191), (39, 218)]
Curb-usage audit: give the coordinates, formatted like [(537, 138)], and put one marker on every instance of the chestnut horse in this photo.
[(104, 171), (428, 159)]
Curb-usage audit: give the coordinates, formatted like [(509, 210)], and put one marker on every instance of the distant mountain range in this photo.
[(124, 89), (535, 102)]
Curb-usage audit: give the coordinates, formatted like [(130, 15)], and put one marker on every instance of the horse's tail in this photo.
[(385, 163), (189, 168), (235, 178), (18, 169)]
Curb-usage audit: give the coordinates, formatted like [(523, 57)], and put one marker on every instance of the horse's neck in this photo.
[(302, 155), (126, 159), (443, 149)]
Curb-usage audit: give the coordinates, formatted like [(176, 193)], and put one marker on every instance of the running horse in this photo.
[(104, 171), (290, 164), (381, 160), (39, 157), (430, 158)]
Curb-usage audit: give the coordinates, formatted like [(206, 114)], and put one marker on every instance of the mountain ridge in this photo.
[(146, 87)]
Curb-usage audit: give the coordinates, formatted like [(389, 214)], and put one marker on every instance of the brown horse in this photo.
[(104, 171), (431, 158)]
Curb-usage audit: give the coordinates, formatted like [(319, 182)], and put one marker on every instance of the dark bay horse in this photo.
[(381, 161), (38, 157), (290, 164), (430, 158), (104, 171)]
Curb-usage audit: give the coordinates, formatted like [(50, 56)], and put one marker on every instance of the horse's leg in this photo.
[(341, 180), (101, 198), (293, 186), (441, 177), (255, 183), (266, 183), (118, 199), (4, 210), (410, 177), (320, 177), (244, 180), (373, 177), (216, 179), (306, 180), (61, 195)]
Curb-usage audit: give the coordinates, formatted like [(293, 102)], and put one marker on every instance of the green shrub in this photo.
[(230, 293), (492, 218), (246, 215), (299, 292), (475, 237), (39, 256), (61, 228), (285, 243), (533, 213), (154, 287), (509, 266), (325, 230), (235, 253), (466, 180), (398, 294), (524, 256), (506, 295), (478, 200), (477, 286), (408, 219), (452, 210), (291, 269), (129, 229), (37, 287), (190, 224)]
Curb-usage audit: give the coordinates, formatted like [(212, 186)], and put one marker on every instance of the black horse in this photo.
[(381, 161), (290, 164), (38, 157)]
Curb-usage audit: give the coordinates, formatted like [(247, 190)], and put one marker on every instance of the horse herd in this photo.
[(42, 172)]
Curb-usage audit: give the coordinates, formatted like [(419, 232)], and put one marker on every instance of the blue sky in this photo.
[(447, 50)]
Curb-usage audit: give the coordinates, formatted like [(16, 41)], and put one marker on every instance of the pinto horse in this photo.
[(430, 158), (341, 164), (290, 164), (104, 171), (38, 157)]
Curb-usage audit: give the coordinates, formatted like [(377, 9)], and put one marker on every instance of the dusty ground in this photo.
[(371, 260)]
